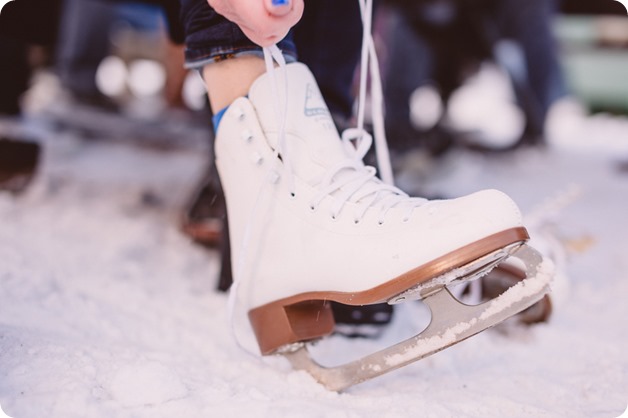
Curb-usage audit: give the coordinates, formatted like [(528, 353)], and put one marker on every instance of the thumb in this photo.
[(278, 7)]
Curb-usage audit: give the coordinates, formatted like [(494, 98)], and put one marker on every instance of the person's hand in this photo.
[(265, 22)]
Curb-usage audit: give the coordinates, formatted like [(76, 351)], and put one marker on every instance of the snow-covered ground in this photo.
[(108, 310)]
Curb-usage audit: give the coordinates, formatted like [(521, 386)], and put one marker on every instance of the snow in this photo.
[(446, 338), (107, 309), (528, 287)]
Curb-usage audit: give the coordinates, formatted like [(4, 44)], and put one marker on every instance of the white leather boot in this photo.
[(313, 224)]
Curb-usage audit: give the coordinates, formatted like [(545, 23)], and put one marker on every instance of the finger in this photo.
[(261, 39), (278, 7)]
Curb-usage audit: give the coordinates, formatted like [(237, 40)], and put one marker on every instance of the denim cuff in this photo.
[(196, 58)]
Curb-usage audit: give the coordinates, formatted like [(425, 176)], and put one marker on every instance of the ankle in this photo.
[(232, 78)]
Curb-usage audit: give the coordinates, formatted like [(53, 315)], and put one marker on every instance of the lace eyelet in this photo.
[(238, 113), (246, 135), (293, 195), (273, 177), (356, 221), (313, 208), (380, 222), (257, 159)]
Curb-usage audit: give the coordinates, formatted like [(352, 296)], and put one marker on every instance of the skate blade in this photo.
[(452, 322), (470, 271)]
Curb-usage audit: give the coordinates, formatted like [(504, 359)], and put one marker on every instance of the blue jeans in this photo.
[(209, 37), (327, 38), (84, 33)]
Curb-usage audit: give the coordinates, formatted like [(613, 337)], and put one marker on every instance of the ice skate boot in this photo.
[(310, 224)]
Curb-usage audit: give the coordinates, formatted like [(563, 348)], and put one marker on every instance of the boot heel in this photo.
[(276, 325)]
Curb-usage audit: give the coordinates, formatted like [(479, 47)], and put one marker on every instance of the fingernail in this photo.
[(280, 2)]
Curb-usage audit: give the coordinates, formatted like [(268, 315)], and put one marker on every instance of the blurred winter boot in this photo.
[(18, 163), (485, 112), (204, 216)]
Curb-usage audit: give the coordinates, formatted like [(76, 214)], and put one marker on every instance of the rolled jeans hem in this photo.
[(198, 58)]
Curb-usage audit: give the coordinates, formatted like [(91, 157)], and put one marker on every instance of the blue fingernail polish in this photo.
[(281, 2)]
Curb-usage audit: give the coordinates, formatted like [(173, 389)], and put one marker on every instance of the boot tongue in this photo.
[(313, 143)]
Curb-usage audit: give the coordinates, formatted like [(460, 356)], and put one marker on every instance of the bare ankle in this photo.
[(229, 79)]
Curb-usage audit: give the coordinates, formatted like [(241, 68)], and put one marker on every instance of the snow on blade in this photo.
[(524, 288)]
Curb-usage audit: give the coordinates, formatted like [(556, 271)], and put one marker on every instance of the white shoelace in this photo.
[(356, 140), (347, 181), (370, 63), (356, 183)]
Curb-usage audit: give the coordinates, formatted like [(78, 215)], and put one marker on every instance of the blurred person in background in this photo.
[(73, 37), (486, 74), (84, 41), (20, 28), (436, 46)]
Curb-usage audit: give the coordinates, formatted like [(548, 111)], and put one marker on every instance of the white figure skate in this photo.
[(310, 224)]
